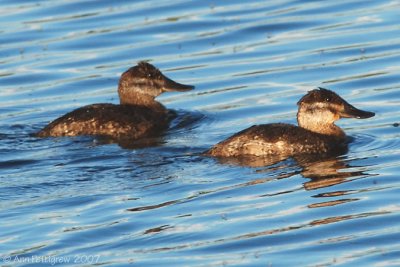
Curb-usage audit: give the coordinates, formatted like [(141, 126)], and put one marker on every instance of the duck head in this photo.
[(140, 84), (320, 108)]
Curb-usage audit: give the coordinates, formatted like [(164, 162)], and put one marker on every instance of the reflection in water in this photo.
[(154, 206), (331, 203), (323, 170), (132, 144), (326, 172), (158, 229), (347, 217), (167, 205)]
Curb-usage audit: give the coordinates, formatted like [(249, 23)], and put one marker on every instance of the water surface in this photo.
[(86, 202)]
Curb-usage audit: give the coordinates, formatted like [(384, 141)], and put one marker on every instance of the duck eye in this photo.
[(328, 99)]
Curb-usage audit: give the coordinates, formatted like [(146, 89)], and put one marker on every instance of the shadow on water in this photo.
[(164, 204), (323, 170)]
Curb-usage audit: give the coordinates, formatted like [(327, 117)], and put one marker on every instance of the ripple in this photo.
[(165, 204)]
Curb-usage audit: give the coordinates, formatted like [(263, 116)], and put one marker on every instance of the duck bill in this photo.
[(172, 86), (353, 112)]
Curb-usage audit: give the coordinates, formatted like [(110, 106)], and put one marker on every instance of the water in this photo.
[(76, 201)]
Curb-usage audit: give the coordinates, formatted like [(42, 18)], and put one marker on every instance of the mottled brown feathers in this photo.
[(118, 121), (145, 69), (138, 115), (316, 133), (276, 138), (321, 95)]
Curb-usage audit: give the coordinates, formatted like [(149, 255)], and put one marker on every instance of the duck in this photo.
[(315, 134), (137, 115)]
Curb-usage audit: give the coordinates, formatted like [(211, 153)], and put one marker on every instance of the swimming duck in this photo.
[(316, 133), (138, 114)]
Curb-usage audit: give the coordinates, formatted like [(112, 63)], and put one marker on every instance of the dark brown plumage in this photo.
[(276, 138), (118, 121), (316, 133), (138, 114)]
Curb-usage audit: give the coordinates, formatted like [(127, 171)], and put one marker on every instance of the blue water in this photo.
[(78, 201)]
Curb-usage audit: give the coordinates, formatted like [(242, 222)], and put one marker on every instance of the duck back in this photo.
[(277, 139), (116, 121)]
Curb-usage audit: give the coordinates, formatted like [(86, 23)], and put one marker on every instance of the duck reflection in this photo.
[(315, 145), (132, 144), (326, 172), (323, 171)]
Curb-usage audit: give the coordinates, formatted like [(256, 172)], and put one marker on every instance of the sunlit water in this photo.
[(84, 202)]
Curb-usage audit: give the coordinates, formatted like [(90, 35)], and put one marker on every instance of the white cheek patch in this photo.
[(320, 113)]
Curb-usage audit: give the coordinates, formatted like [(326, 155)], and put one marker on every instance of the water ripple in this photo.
[(165, 204)]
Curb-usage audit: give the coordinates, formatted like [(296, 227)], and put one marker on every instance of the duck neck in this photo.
[(319, 124), (139, 99)]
